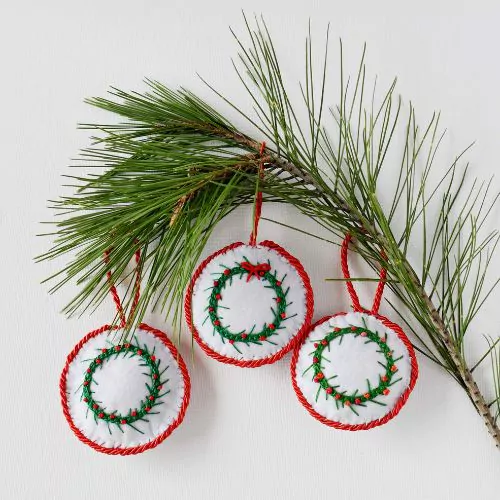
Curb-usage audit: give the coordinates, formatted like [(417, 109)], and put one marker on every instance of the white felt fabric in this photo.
[(121, 386), (249, 303), (353, 362)]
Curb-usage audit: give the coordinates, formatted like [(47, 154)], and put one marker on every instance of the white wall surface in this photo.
[(245, 436)]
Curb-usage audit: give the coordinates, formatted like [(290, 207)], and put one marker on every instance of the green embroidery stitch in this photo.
[(356, 398), (154, 389), (260, 271)]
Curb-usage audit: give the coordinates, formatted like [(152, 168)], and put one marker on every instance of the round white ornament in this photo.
[(124, 398), (248, 305), (356, 370)]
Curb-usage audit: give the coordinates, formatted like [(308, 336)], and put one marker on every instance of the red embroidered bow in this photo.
[(259, 270)]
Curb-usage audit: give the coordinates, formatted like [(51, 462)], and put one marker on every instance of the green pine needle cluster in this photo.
[(174, 168)]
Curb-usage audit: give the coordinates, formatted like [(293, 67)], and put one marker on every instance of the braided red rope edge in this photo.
[(258, 201), (295, 341), (156, 441), (374, 423), (114, 293)]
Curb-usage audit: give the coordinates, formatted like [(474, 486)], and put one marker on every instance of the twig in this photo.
[(465, 374)]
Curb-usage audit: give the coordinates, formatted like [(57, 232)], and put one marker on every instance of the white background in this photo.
[(245, 436)]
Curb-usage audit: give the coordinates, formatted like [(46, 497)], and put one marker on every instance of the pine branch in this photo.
[(176, 167)]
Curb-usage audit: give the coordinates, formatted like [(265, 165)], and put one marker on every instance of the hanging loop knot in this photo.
[(257, 270), (350, 287), (258, 198)]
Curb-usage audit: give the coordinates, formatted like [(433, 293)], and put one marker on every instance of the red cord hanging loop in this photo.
[(350, 287), (114, 292), (258, 200)]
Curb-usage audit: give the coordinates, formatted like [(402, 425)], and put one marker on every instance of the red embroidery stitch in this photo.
[(257, 270)]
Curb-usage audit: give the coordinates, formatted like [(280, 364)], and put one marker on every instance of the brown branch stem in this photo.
[(464, 371)]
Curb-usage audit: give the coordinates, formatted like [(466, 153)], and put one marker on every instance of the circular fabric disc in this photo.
[(124, 399), (249, 305), (354, 371)]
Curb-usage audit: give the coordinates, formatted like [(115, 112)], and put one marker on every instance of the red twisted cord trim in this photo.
[(350, 287), (156, 441), (258, 201), (374, 423), (137, 285), (114, 292), (254, 363)]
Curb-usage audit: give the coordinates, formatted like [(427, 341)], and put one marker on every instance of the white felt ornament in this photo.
[(355, 370), (248, 305), (123, 398)]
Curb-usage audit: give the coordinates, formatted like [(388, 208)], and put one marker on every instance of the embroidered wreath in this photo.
[(260, 271), (144, 407), (357, 398)]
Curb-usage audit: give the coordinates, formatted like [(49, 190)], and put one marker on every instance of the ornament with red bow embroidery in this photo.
[(354, 370), (248, 305)]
